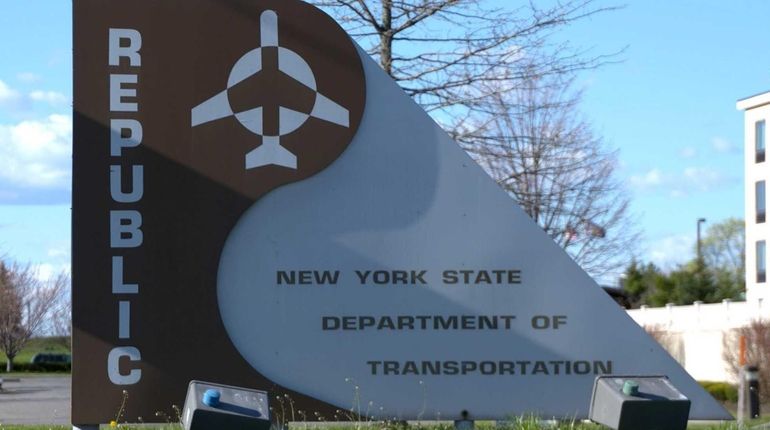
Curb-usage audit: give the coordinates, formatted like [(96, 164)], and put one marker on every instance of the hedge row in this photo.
[(47, 367)]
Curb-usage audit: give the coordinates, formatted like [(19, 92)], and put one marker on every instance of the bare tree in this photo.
[(61, 322), (495, 80), (541, 152), (446, 53), (757, 351), (25, 304)]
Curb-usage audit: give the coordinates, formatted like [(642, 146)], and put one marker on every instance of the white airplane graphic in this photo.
[(290, 63)]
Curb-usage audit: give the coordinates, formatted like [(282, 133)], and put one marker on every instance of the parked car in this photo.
[(51, 358)]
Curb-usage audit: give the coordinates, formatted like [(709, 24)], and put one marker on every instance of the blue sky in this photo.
[(668, 108), (35, 132)]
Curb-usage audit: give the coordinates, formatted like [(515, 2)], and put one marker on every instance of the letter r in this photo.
[(134, 38)]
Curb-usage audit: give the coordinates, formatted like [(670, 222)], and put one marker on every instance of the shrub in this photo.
[(721, 391), (39, 367)]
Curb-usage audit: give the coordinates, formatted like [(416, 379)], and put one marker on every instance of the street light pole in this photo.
[(700, 256)]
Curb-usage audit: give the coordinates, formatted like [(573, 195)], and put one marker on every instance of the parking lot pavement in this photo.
[(35, 400)]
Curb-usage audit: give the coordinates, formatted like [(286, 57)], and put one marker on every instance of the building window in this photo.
[(761, 266), (759, 140), (760, 199)]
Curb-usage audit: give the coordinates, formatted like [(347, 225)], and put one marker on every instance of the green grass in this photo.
[(28, 375), (14, 427), (105, 427), (41, 344), (49, 427), (514, 424), (517, 423)]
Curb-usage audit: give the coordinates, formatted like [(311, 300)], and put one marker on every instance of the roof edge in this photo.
[(754, 101)]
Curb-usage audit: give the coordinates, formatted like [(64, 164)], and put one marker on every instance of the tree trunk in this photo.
[(386, 37), (9, 364)]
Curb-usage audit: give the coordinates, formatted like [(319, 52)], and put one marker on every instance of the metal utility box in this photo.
[(210, 406), (638, 403)]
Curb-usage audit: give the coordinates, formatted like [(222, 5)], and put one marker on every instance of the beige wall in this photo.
[(694, 334)]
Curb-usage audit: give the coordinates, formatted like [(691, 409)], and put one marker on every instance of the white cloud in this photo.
[(53, 98), (21, 104), (669, 251), (58, 252), (29, 77), (47, 271), (8, 95), (651, 179), (704, 178), (688, 152), (37, 153), (723, 146), (690, 179)]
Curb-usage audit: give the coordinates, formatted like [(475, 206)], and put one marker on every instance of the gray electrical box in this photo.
[(638, 403), (210, 406)]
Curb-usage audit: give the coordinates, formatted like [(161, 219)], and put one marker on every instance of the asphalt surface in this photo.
[(35, 400)]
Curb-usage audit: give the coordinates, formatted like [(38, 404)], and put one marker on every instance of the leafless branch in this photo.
[(756, 338), (494, 78), (441, 51), (539, 150)]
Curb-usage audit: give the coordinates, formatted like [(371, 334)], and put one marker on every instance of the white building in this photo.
[(695, 335), (757, 112)]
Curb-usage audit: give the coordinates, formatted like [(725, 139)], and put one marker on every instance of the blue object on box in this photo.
[(211, 398), (212, 406)]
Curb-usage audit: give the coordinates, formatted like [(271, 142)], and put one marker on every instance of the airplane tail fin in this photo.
[(270, 152)]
